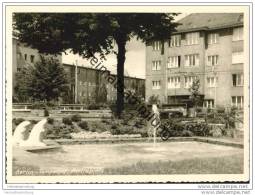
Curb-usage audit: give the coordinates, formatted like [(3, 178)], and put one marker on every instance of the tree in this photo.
[(23, 81), (89, 33), (154, 99), (68, 97), (101, 94), (195, 96), (49, 81)]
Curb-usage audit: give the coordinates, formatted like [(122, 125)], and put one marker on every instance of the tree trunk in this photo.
[(120, 76)]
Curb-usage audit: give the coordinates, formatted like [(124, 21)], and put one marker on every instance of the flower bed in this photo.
[(103, 135)]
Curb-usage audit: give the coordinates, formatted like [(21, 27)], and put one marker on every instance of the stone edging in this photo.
[(130, 140)]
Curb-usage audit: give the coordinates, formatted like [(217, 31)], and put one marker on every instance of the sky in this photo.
[(135, 58)]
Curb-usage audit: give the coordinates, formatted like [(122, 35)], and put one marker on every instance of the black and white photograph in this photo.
[(127, 94)]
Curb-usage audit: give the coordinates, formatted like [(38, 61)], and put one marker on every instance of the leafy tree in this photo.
[(195, 96), (89, 33), (23, 81), (154, 99), (48, 81), (101, 94), (141, 90), (68, 97)]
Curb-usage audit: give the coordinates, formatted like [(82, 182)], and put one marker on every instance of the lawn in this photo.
[(224, 165)]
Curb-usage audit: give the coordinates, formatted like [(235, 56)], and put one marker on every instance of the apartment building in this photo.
[(208, 47), (88, 81)]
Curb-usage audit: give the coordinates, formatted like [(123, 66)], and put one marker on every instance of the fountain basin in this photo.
[(81, 159), (37, 149)]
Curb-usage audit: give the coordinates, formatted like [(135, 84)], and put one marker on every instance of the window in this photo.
[(212, 81), (174, 62), (237, 58), (156, 65), (212, 60), (156, 45), (25, 56), (238, 34), (174, 82), (192, 60), (237, 101), (188, 81), (175, 41), (155, 84), (213, 38), (237, 80), (32, 57), (208, 103), (192, 38)]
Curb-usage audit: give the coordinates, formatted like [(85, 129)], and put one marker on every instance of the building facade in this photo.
[(207, 47), (86, 86), (93, 82)]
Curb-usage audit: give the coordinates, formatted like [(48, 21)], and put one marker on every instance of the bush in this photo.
[(199, 129), (140, 123), (83, 125), (18, 121), (59, 130), (34, 121), (154, 99), (67, 121), (177, 129), (105, 121), (125, 122), (46, 112), (216, 120), (42, 105), (126, 130), (103, 106), (98, 127), (50, 121), (187, 133), (93, 106), (76, 118), (115, 128), (216, 132), (38, 105), (115, 131)]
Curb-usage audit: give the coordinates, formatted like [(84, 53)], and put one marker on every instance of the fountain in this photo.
[(155, 122), (35, 142), (18, 136)]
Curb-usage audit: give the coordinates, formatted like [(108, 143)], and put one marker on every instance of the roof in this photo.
[(84, 67), (209, 21), (112, 72)]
